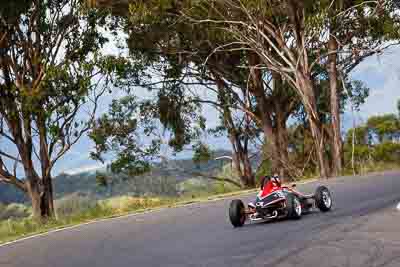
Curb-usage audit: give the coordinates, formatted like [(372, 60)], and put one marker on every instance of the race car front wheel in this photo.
[(237, 213), (293, 206), (323, 199)]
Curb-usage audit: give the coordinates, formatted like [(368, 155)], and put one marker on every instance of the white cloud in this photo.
[(382, 75), (383, 100), (86, 168)]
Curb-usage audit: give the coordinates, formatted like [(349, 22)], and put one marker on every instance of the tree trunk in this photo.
[(235, 157), (271, 144), (257, 89), (335, 112), (242, 163), (47, 201), (282, 135), (248, 171), (315, 123), (282, 141), (34, 195), (240, 155), (42, 198), (320, 146)]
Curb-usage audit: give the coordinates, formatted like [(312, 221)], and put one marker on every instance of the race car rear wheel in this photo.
[(237, 213), (323, 199), (293, 206)]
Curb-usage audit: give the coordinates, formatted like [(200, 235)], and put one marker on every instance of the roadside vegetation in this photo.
[(16, 219)]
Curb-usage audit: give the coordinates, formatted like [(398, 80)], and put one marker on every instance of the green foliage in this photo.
[(119, 131), (202, 153), (386, 127), (362, 136), (11, 10), (301, 147), (73, 204), (165, 40), (264, 169), (357, 92), (368, 150), (14, 211), (387, 152), (101, 179), (176, 113), (362, 153), (50, 89)]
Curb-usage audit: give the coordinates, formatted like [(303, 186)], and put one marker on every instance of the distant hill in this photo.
[(9, 194), (161, 180)]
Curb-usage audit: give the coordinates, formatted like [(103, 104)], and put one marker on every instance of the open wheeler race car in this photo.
[(275, 201)]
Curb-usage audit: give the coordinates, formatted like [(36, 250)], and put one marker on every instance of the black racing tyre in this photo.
[(323, 199), (293, 205), (237, 213)]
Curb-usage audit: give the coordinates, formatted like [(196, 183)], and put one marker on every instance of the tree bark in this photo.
[(34, 195), (257, 89), (282, 140), (281, 110), (240, 154), (337, 145), (315, 123), (41, 196), (241, 161), (271, 142), (248, 171), (47, 201)]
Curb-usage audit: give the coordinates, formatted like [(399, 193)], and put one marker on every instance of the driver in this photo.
[(271, 182), (276, 180)]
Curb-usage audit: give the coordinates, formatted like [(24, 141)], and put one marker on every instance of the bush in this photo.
[(74, 204), (222, 188), (202, 153), (361, 153), (128, 203), (387, 152), (14, 211), (193, 186)]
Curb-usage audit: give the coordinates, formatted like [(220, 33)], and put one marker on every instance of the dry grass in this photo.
[(127, 203)]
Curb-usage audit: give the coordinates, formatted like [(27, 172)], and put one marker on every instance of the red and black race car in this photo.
[(275, 201)]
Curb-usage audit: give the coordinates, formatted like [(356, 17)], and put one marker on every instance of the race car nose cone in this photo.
[(398, 207)]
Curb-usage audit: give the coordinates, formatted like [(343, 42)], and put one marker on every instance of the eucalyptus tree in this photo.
[(158, 34), (290, 38), (277, 34), (52, 75), (353, 30)]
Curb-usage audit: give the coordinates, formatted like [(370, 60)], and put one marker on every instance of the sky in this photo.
[(382, 75)]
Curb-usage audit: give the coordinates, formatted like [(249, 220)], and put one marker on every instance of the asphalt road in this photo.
[(355, 233)]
